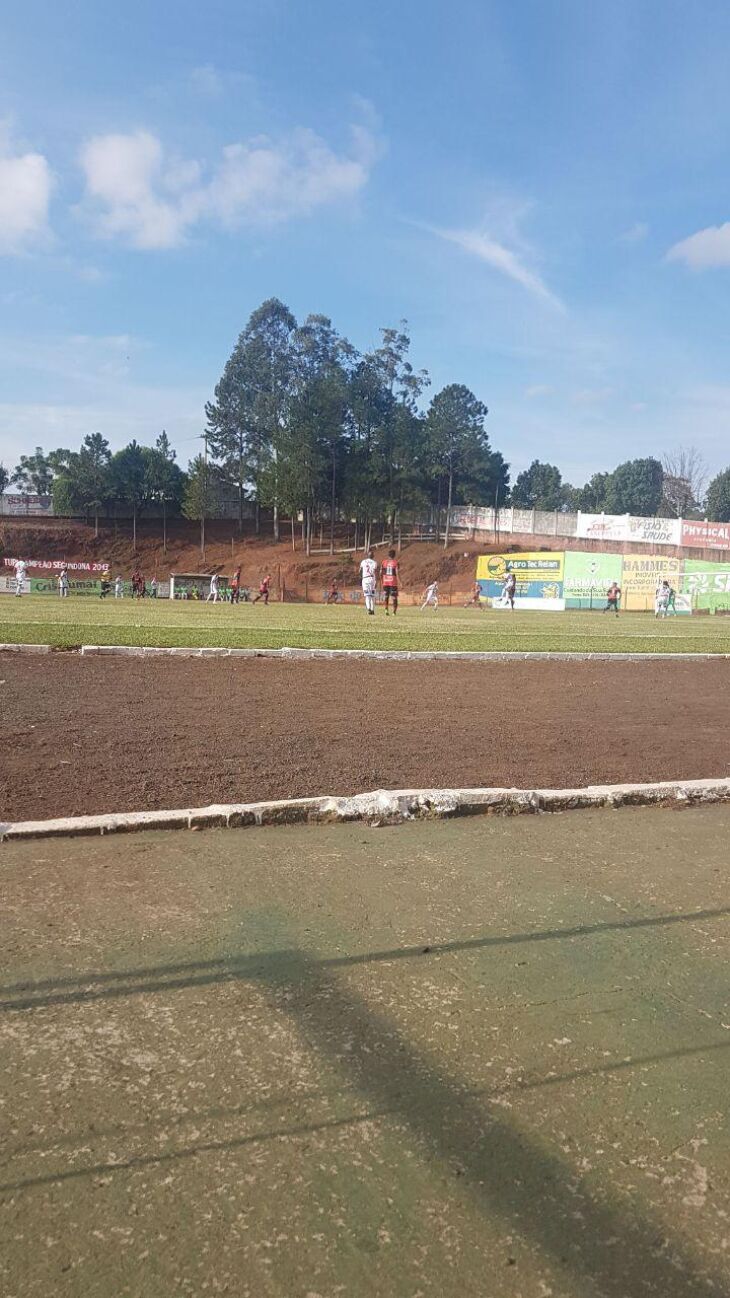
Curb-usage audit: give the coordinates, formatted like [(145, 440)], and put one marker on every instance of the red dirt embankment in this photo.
[(101, 734), (421, 562)]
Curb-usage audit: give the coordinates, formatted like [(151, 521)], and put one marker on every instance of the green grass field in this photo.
[(84, 620)]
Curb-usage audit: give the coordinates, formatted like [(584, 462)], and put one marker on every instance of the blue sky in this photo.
[(540, 187)]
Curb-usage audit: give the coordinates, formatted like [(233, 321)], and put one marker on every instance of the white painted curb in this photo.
[(382, 807), (385, 655)]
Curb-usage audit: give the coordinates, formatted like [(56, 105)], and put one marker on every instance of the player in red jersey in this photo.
[(263, 590), (389, 578)]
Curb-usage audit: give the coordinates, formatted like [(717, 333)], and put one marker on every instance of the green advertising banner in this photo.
[(707, 584), (588, 576)]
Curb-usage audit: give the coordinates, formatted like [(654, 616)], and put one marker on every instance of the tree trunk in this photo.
[(134, 528), (332, 503), (164, 527), (96, 522), (356, 529), (438, 511), (308, 517), (202, 537), (293, 547), (448, 507), (276, 521), (240, 506), (258, 516)]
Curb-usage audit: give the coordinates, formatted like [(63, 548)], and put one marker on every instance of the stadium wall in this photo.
[(553, 581)]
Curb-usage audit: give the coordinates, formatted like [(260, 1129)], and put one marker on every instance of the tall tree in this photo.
[(201, 498), (685, 479), (457, 435), (165, 479), (317, 426), (635, 488), (130, 484), (34, 473), (85, 481), (370, 406), (4, 478), (539, 487), (402, 386), (250, 412), (592, 497), (718, 498)]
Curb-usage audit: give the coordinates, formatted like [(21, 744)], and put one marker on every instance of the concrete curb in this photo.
[(383, 655), (26, 648), (382, 807)]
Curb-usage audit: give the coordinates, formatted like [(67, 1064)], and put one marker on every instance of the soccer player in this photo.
[(118, 587), (474, 600), (213, 592), (63, 583), (19, 576), (333, 594), (389, 580), (613, 598), (106, 583), (509, 590), (368, 574), (431, 596), (263, 590), (662, 599), (672, 602), (236, 586), (153, 588)]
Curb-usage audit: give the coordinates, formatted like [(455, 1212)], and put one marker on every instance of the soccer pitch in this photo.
[(85, 620)]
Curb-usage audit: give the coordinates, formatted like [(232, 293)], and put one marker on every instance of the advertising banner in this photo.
[(76, 586), (55, 565), (655, 531), (622, 527), (26, 506), (539, 577), (603, 527), (706, 584), (706, 536), (588, 577), (641, 576)]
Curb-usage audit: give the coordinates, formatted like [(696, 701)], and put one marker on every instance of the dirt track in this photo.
[(93, 735)]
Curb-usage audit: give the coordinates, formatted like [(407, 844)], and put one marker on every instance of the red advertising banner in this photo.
[(706, 536)]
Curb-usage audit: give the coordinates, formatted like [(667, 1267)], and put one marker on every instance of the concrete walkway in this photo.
[(481, 1057)]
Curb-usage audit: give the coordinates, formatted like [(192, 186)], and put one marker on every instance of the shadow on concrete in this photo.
[(606, 1244), (201, 973)]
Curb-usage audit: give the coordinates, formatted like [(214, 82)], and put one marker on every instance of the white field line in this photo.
[(381, 807)]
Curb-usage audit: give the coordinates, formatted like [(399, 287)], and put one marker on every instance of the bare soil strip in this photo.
[(91, 735)]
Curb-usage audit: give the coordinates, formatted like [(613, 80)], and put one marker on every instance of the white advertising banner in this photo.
[(622, 527)]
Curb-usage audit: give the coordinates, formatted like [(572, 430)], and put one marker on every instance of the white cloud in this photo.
[(590, 396), (136, 193), (207, 80), (537, 390), (705, 249), (636, 233), (502, 259), (25, 191)]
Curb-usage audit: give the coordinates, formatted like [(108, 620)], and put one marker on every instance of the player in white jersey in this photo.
[(368, 575), (213, 592), (118, 587), (431, 596), (19, 576), (63, 583)]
